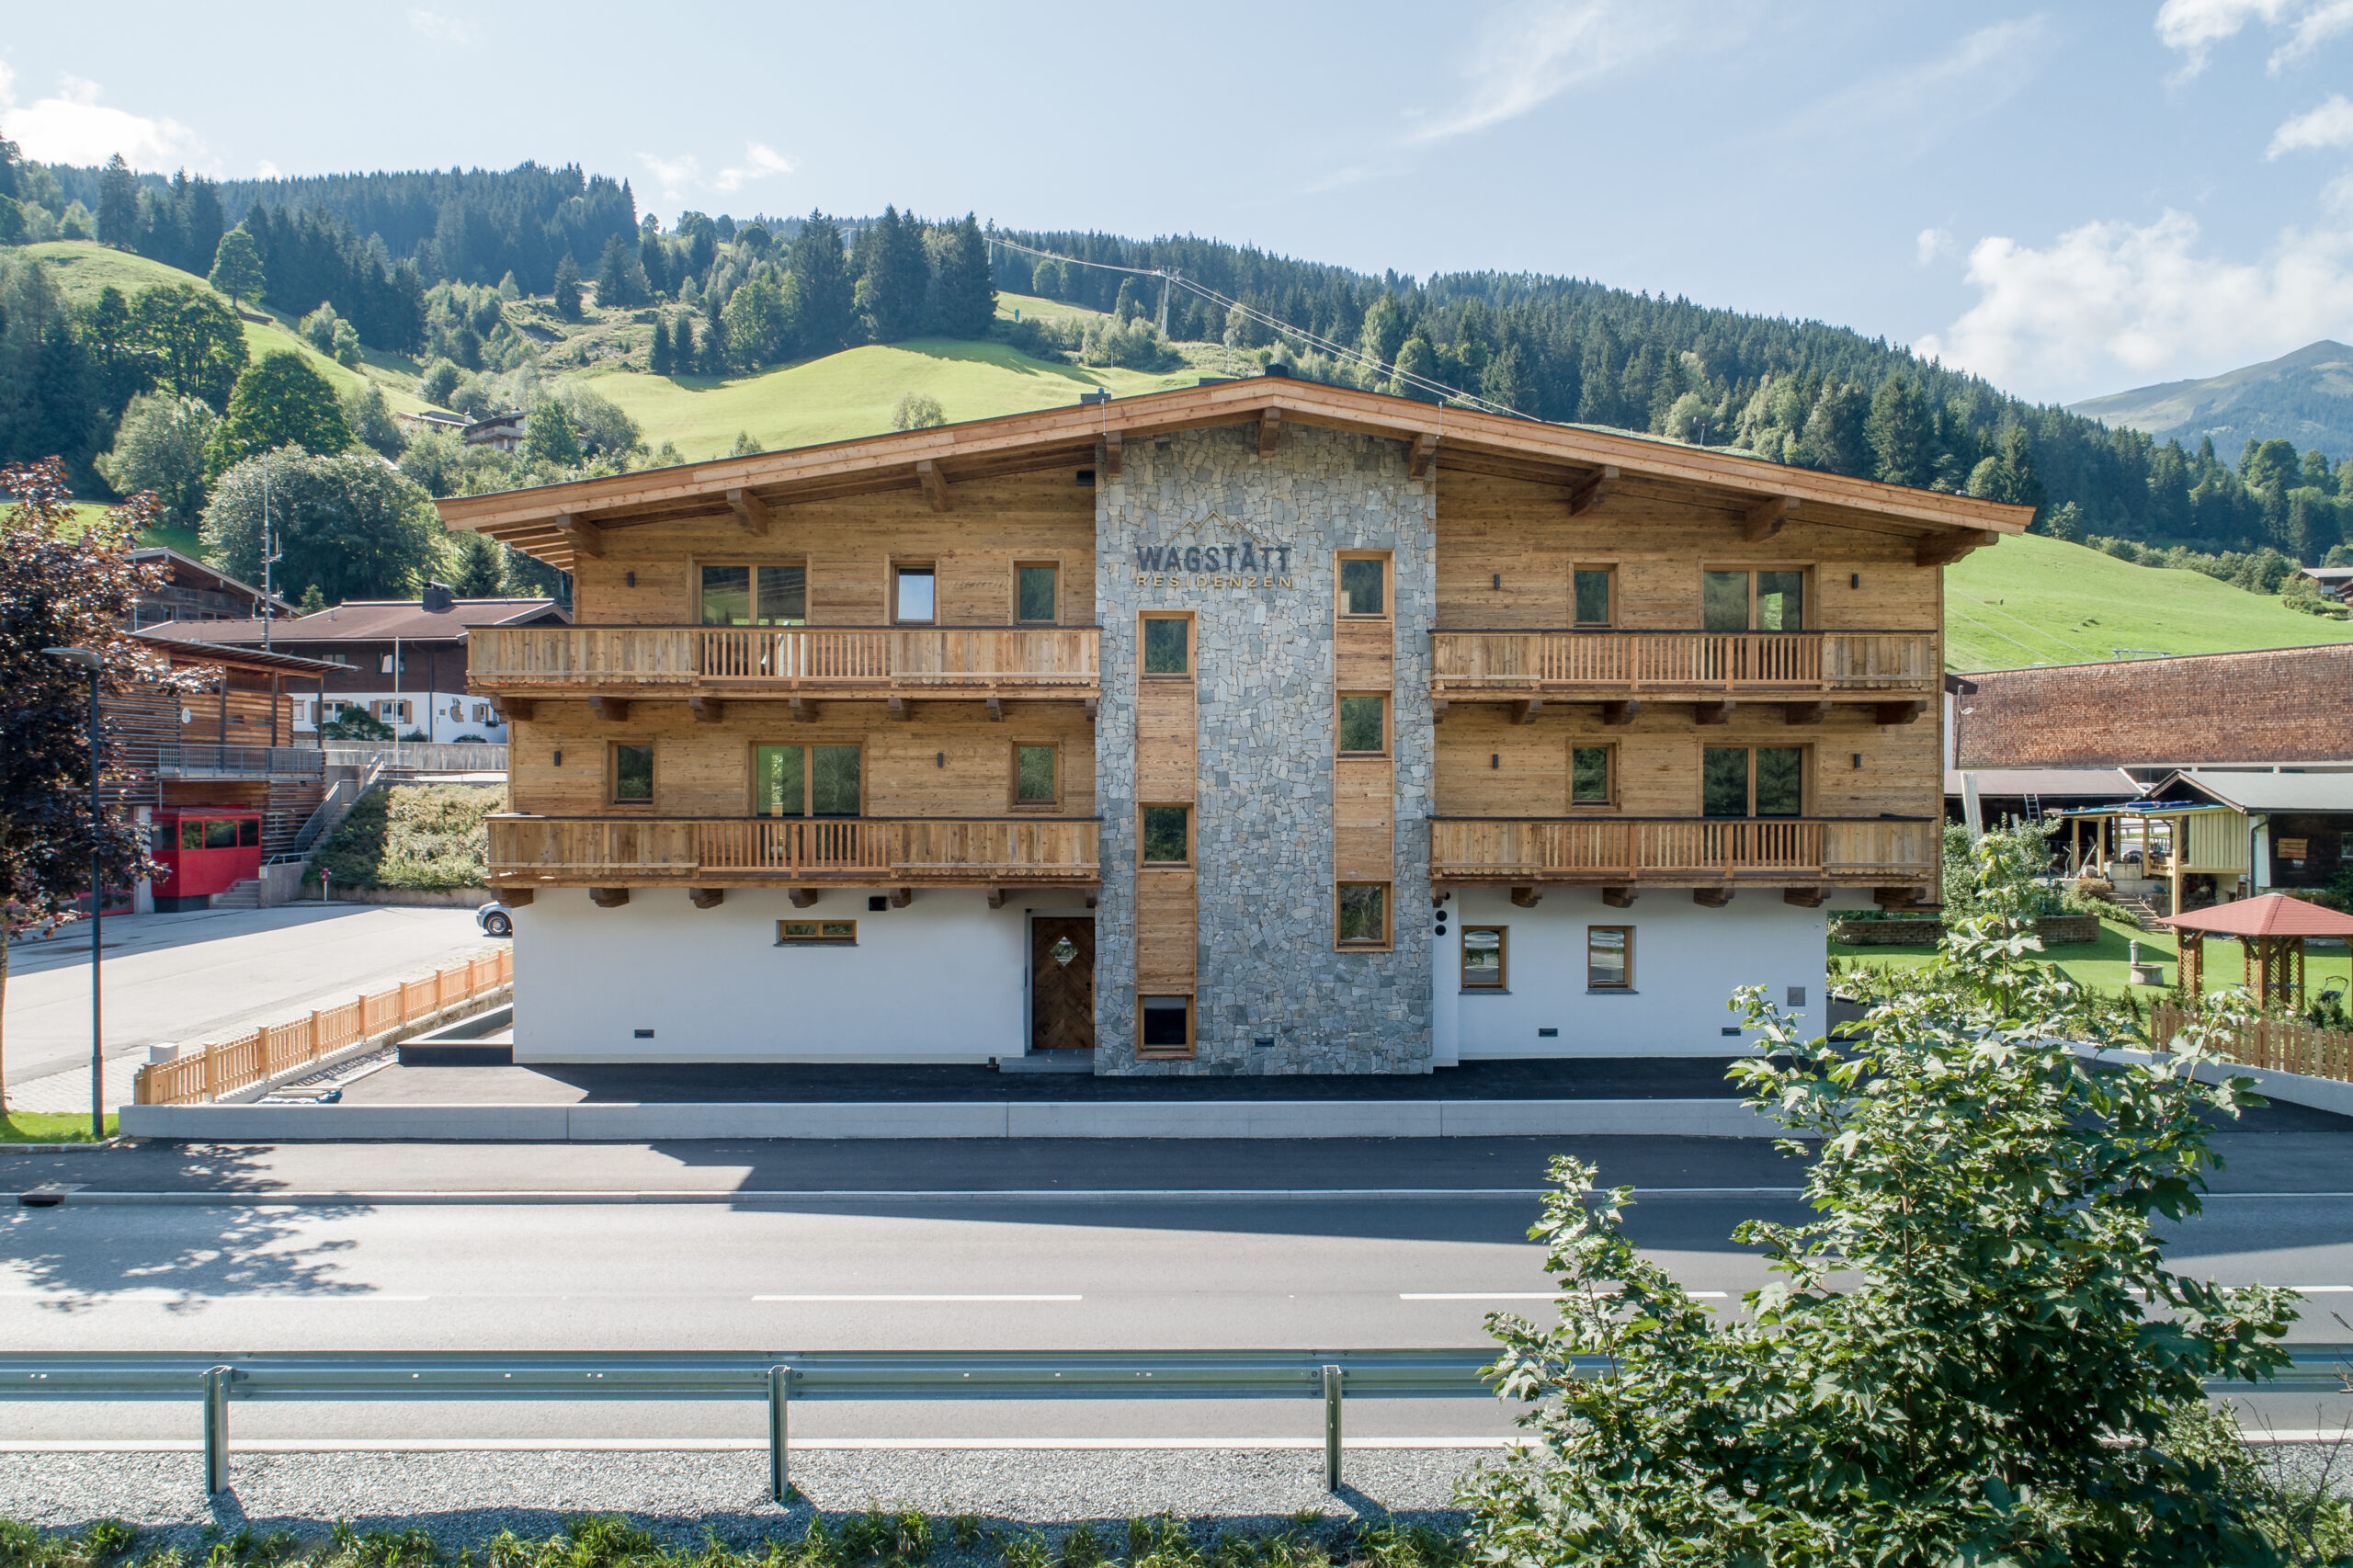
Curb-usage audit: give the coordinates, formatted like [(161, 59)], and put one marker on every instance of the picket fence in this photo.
[(2281, 1045), (224, 1068)]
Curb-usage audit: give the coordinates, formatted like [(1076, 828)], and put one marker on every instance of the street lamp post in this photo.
[(88, 659)]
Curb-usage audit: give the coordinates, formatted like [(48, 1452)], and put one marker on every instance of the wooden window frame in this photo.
[(694, 584), (613, 775), (1053, 563), (1193, 1018), (1503, 961), (1387, 723), (1186, 864), (1607, 569), (1013, 779), (1615, 800), (1805, 569), (1388, 942), (895, 568), (1807, 788), (1628, 984), (752, 750), (1192, 649), (819, 940), (1388, 585)]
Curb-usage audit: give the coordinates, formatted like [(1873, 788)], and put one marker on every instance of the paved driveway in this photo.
[(206, 975)]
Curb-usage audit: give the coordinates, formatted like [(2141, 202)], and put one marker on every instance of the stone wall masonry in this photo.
[(1264, 673)]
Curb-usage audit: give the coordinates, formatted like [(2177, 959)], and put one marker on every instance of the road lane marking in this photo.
[(813, 1297), (1525, 1295)]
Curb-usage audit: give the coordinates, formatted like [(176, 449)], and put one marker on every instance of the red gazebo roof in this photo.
[(2273, 914)]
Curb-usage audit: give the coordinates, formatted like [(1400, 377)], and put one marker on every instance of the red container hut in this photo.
[(204, 850)]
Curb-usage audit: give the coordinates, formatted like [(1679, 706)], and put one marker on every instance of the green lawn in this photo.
[(2105, 963), (182, 539), (80, 269), (48, 1127), (850, 395), (2031, 600)]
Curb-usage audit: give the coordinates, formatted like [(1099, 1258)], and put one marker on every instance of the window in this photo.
[(221, 833), (1168, 645), (1590, 783), (1035, 782), (805, 781), (1364, 584), (755, 596), (483, 714), (1610, 958), (1591, 588), (1364, 726), (1166, 835), (914, 596), (192, 834), (633, 776), (816, 933), (1164, 1026), (1364, 914), (1034, 597), (249, 834), (1753, 782), (1758, 601), (1482, 957)]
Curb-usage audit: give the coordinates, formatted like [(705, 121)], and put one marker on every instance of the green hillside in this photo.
[(82, 268), (2305, 397), (2032, 601)]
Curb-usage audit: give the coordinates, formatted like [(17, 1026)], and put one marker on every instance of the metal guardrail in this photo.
[(782, 1378), (184, 757)]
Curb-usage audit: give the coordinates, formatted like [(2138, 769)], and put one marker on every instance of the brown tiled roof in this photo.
[(2275, 705), (183, 650), (377, 620)]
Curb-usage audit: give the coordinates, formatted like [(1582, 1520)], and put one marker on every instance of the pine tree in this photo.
[(567, 287), (658, 357), (1901, 434), (620, 281), (682, 344), (964, 300), (895, 277), (656, 262), (827, 298), (118, 205), (714, 348)]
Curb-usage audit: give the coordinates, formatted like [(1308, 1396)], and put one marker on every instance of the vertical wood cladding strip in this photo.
[(1269, 795)]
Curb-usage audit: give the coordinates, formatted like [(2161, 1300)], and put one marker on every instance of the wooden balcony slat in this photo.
[(1618, 849), (1468, 661), (974, 851), (788, 657)]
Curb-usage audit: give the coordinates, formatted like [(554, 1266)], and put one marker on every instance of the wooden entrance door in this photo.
[(1062, 984)]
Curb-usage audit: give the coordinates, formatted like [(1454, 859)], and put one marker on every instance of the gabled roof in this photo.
[(2262, 791), (2049, 783), (185, 569), (556, 521), (377, 620), (2272, 915)]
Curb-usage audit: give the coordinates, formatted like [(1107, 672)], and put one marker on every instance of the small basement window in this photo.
[(1164, 1026), (816, 933)]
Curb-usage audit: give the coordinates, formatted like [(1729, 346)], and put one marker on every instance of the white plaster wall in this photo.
[(1688, 962), (943, 980)]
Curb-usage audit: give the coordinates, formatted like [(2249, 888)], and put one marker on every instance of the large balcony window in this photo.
[(1753, 782), (806, 781), (755, 596)]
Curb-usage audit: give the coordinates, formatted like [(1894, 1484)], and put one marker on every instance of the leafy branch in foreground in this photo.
[(1975, 1355)]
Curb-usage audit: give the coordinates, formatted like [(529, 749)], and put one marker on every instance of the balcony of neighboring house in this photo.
[(803, 854), (202, 759), (1898, 671), (1900, 855), (709, 664)]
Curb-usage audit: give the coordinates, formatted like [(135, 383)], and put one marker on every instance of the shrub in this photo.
[(425, 836)]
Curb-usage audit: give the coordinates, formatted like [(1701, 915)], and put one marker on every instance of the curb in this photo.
[(318, 1198)]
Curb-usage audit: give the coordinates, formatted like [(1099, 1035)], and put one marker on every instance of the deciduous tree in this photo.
[(195, 343), (160, 449), (236, 267), (280, 402), (347, 523)]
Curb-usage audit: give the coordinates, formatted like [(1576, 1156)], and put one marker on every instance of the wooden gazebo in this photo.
[(2271, 931)]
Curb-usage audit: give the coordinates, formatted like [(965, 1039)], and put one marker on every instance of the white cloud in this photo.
[(441, 27), (673, 174), (73, 127), (266, 170), (759, 162), (1529, 56), (2194, 26), (1976, 75), (1932, 243), (2330, 125), (2112, 304)]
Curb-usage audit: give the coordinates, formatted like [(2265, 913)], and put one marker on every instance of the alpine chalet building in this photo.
[(1258, 727)]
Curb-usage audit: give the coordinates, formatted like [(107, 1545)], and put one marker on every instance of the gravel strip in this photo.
[(464, 1498)]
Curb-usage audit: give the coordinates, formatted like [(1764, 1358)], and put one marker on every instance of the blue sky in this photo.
[(2073, 200)]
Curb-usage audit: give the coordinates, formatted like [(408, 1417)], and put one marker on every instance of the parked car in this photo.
[(495, 919)]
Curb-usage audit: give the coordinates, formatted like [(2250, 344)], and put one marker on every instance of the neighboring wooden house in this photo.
[(1258, 727), (504, 431), (193, 591)]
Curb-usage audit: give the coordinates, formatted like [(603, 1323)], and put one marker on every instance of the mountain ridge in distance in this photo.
[(2305, 397)]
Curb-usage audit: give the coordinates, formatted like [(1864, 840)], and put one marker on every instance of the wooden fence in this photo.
[(1705, 661), (914, 849), (535, 657), (2279, 1045), (206, 1074), (1630, 849)]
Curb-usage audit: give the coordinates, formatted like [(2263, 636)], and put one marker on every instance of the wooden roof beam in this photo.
[(1944, 549), (750, 511), (1111, 454), (1424, 454), (1589, 492), (1766, 518), (1270, 431), (583, 536), (934, 482)]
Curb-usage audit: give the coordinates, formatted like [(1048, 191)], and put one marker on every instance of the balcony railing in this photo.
[(972, 851), (185, 759), (1472, 663), (1058, 659), (1617, 850)]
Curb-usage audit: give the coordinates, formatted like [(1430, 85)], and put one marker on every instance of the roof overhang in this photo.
[(557, 523), (233, 655)]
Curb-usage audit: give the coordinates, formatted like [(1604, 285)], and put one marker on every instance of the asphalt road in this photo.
[(920, 1273), (205, 973)]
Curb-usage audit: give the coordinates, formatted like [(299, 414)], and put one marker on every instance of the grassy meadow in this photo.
[(2105, 964)]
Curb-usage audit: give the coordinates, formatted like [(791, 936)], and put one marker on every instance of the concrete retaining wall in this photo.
[(422, 898), (1040, 1118), (2054, 929)]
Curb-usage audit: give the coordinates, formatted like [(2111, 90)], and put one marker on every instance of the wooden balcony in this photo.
[(1685, 851), (836, 661), (535, 851), (1605, 664)]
